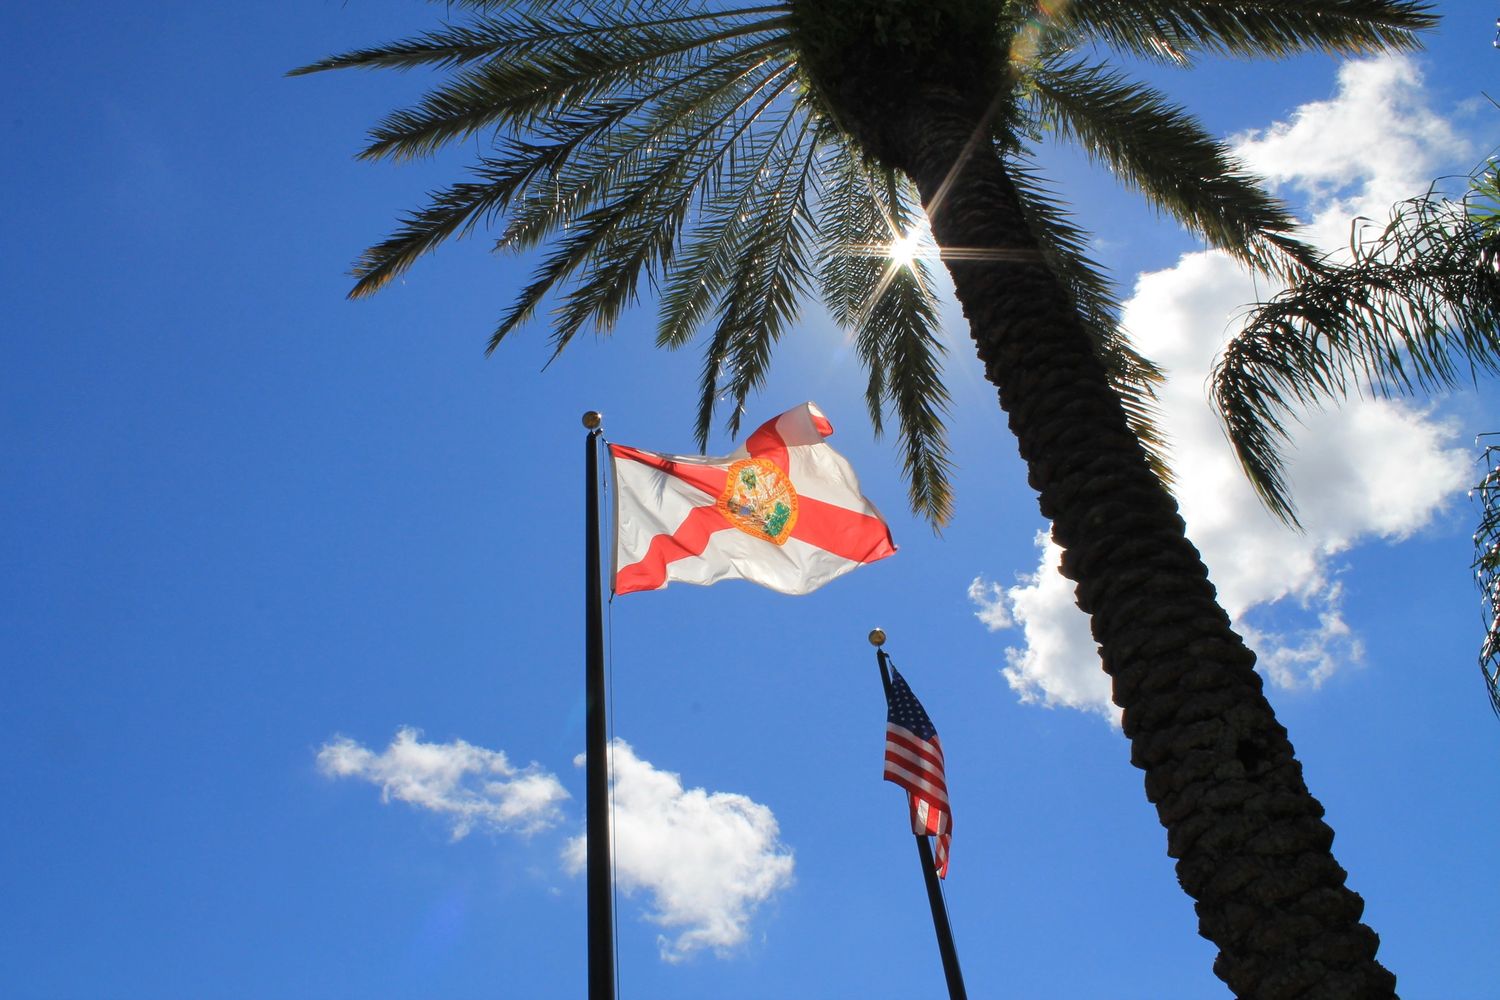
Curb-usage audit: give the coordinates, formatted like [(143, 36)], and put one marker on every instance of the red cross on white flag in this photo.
[(784, 511)]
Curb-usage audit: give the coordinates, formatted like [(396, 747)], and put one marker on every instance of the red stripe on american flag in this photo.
[(933, 778), (923, 783), (928, 818), (917, 766), (929, 750), (919, 788), (897, 758)]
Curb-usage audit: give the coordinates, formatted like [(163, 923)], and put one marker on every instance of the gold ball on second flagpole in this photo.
[(593, 419), (877, 637)]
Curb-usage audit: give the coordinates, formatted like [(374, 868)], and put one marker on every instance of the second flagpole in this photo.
[(946, 949), (596, 797)]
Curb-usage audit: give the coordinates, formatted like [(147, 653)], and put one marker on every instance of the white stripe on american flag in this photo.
[(895, 761), (917, 784), (929, 817), (910, 745), (918, 756), (916, 765)]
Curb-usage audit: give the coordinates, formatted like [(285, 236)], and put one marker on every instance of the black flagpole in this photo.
[(951, 971), (600, 883)]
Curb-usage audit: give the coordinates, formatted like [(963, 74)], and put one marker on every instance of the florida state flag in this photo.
[(784, 511)]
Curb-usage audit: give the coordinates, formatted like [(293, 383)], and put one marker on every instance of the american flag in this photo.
[(914, 760)]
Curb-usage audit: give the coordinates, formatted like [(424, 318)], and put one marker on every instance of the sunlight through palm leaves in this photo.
[(679, 141)]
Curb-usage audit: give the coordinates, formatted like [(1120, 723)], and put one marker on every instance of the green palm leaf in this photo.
[(763, 284), (1487, 570), (893, 313), (1160, 150), (652, 191), (1417, 307), (1174, 31), (633, 142)]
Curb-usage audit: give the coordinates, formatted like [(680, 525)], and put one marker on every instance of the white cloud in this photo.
[(1374, 143), (707, 859), (1308, 656), (1368, 469), (1059, 665), (469, 785), (993, 604)]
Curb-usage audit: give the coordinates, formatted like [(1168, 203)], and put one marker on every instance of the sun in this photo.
[(903, 250)]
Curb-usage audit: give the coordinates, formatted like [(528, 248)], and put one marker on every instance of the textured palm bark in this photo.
[(1250, 842)]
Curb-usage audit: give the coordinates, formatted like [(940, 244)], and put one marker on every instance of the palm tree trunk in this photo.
[(1250, 842)]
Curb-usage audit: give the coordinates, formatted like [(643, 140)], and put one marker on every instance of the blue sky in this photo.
[(254, 533)]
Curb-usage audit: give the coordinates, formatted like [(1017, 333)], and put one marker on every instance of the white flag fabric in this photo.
[(784, 511)]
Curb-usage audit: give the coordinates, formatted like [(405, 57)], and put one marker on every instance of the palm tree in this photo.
[(738, 157), (1487, 570), (1416, 307)]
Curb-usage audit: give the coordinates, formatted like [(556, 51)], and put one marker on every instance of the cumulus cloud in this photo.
[(708, 860), (1308, 655), (1365, 470), (471, 786), (1372, 144), (1059, 665), (993, 604)]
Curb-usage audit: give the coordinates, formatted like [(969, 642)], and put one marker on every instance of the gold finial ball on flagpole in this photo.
[(877, 637), (593, 419)]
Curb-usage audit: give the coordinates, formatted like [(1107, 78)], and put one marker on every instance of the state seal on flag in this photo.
[(759, 499)]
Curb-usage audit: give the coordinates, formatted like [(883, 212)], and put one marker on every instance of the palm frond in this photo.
[(489, 38), (700, 272), (1175, 30), (544, 69), (1417, 308), (679, 143), (854, 227), (446, 48), (1487, 569), (892, 311), (655, 193), (1160, 149), (766, 287), (455, 210), (642, 229), (613, 139), (589, 7), (548, 182)]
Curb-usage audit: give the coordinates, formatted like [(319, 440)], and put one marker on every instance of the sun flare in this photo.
[(903, 250)]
